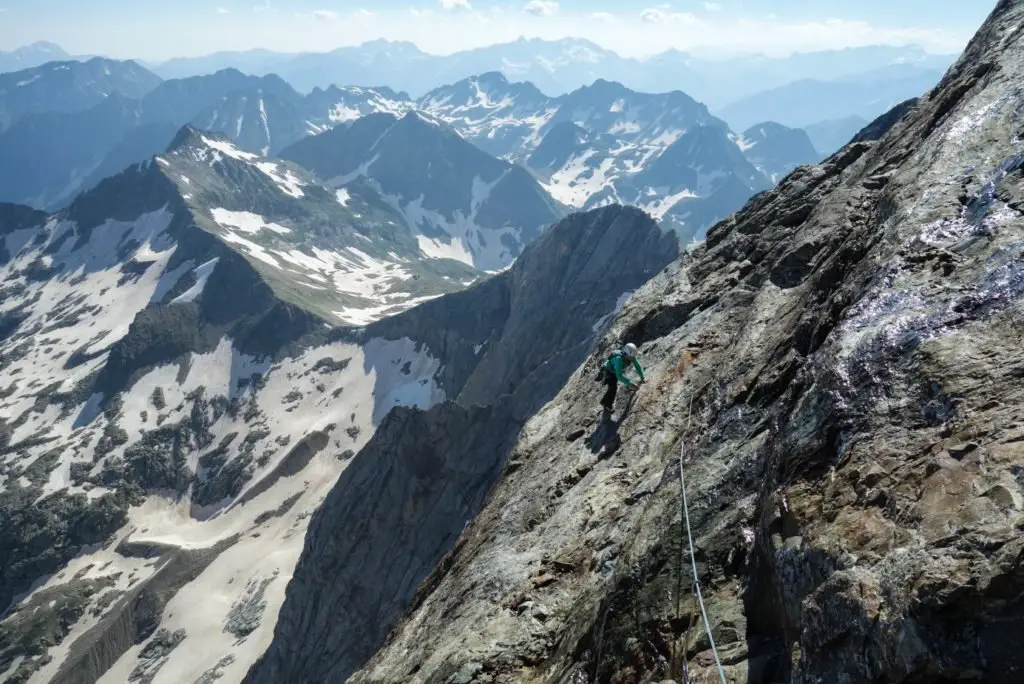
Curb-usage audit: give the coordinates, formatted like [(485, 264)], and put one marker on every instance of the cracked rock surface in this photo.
[(840, 366)]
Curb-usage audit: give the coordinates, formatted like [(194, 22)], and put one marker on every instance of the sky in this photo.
[(156, 30)]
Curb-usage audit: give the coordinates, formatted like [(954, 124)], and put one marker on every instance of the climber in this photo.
[(613, 372)]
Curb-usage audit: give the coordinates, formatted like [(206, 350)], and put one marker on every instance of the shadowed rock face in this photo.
[(400, 506), (840, 367)]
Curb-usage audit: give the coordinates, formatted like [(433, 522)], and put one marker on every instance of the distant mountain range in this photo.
[(68, 86), (830, 135), (556, 67), (599, 144), (458, 201), (64, 135), (809, 101), (31, 56)]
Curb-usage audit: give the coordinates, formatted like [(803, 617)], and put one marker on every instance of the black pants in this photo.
[(612, 387)]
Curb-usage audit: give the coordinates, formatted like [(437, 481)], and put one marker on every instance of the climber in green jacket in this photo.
[(613, 372)]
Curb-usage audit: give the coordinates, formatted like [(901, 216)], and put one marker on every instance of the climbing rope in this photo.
[(689, 534)]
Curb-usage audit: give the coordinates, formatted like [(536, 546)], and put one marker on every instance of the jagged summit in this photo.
[(189, 136), (343, 254)]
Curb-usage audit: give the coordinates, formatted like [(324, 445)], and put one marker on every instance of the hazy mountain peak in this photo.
[(776, 149), (763, 130), (32, 55), (190, 136), (491, 78)]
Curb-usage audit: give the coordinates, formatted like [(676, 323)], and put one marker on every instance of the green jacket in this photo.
[(615, 365)]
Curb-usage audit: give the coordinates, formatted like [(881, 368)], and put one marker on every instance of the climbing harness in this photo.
[(689, 534)]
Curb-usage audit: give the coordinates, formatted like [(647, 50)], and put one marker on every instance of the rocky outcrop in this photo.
[(837, 370), (398, 509)]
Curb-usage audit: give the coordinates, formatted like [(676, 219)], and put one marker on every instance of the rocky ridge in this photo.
[(837, 369), (410, 492)]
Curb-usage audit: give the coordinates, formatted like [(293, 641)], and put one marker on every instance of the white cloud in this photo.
[(602, 16), (654, 15), (541, 8), (223, 10), (713, 6), (325, 15), (365, 14), (450, 5), (662, 14)]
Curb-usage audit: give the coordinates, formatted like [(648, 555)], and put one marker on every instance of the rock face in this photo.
[(838, 371), (458, 201), (411, 491)]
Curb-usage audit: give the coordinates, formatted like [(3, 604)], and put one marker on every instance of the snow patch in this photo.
[(288, 181), (202, 273), (228, 149), (434, 248), (245, 221)]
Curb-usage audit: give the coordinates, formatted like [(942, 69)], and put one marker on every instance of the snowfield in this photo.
[(298, 422)]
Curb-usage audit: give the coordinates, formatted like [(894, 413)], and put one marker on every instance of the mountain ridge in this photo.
[(715, 81), (458, 201)]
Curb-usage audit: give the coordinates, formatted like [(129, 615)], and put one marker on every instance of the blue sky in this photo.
[(158, 30)]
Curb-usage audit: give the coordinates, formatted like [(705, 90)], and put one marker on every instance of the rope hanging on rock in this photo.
[(689, 534)]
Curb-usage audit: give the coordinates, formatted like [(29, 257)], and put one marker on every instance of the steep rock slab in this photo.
[(839, 365), (413, 488)]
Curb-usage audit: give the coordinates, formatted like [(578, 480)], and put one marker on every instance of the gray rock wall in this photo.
[(401, 505)]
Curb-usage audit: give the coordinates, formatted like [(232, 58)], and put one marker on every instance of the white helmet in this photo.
[(630, 350)]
